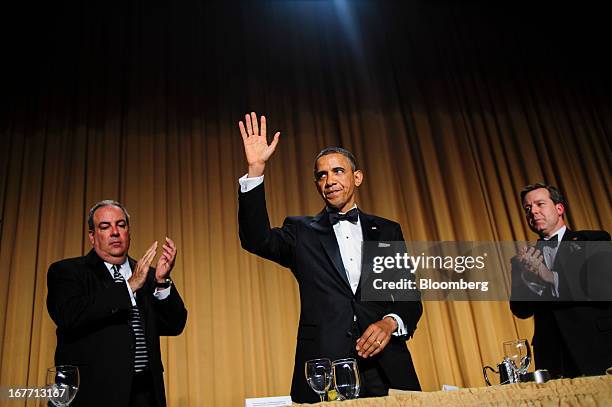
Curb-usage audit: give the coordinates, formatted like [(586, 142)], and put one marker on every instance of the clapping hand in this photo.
[(139, 276), (166, 261), (533, 262), (256, 146)]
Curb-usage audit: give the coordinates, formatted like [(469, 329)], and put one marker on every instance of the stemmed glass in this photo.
[(519, 353), (319, 375), (63, 384), (346, 378)]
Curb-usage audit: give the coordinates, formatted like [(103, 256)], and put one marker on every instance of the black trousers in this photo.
[(142, 394), (374, 382)]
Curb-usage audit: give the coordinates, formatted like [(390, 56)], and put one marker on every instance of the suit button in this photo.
[(132, 347), (114, 310), (349, 334)]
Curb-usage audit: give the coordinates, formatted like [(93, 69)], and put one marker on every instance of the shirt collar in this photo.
[(123, 266)]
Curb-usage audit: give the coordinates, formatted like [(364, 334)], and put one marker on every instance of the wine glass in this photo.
[(63, 384), (319, 375), (519, 353), (346, 378)]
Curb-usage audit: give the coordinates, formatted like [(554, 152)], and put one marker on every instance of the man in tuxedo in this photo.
[(110, 312), (324, 254), (573, 333)]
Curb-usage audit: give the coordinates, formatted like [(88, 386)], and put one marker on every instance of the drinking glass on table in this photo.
[(63, 384), (519, 353), (346, 378), (319, 375)]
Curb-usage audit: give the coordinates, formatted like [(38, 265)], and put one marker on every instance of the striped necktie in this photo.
[(141, 359)]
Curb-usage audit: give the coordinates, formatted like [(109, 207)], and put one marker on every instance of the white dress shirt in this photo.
[(350, 237), (550, 253)]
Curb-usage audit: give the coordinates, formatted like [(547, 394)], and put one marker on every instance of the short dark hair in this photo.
[(101, 204), (555, 195), (335, 150)]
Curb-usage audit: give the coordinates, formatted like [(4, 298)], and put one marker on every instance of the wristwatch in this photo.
[(165, 284)]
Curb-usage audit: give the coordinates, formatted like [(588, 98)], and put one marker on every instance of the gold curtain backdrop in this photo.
[(450, 111)]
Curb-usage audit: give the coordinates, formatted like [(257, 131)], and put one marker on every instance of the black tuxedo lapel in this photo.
[(369, 228), (327, 237), (99, 268), (371, 233), (570, 235), (569, 283), (562, 250)]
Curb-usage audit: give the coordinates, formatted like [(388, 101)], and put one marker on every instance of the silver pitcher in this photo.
[(506, 371)]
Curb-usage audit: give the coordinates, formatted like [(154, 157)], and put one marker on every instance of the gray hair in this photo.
[(101, 204), (335, 150)]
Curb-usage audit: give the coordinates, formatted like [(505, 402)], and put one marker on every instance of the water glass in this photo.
[(346, 378), (319, 375), (63, 384)]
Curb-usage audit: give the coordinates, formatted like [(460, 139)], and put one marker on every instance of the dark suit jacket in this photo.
[(91, 312), (307, 245), (567, 325)]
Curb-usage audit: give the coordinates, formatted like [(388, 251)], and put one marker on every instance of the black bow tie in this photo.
[(352, 216), (552, 242)]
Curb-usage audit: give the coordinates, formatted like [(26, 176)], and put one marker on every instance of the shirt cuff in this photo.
[(161, 293), (536, 288), (401, 329), (247, 184)]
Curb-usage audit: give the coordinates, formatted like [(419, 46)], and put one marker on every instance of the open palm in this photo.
[(166, 260), (256, 146)]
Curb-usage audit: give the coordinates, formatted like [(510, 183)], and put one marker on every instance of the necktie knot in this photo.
[(352, 216), (117, 274)]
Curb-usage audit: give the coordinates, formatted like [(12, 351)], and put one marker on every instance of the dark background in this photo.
[(197, 58)]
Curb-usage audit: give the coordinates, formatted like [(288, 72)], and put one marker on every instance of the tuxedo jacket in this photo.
[(92, 312), (572, 323), (307, 245)]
